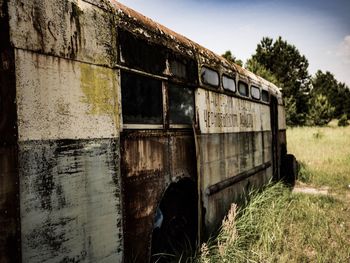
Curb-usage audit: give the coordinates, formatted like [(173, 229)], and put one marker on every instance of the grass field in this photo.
[(283, 226)]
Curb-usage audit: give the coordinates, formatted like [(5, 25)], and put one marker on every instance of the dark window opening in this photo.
[(228, 83), (243, 89), (178, 69), (181, 104), (209, 76), (265, 96), (183, 67), (255, 91), (141, 54), (141, 99)]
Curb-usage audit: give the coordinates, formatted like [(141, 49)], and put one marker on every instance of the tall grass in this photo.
[(281, 226), (278, 225)]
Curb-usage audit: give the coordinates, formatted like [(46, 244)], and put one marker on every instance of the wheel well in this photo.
[(177, 231)]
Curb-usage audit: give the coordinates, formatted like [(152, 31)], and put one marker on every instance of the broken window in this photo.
[(265, 96), (228, 83), (255, 91), (243, 89), (141, 54), (209, 76), (141, 99), (181, 104), (178, 69)]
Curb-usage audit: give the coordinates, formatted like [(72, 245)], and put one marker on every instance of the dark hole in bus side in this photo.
[(181, 104), (140, 54), (175, 228), (141, 99)]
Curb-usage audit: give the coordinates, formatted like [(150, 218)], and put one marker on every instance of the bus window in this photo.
[(141, 99), (243, 89), (228, 83), (178, 69), (181, 104), (140, 54), (209, 76), (265, 96), (255, 91)]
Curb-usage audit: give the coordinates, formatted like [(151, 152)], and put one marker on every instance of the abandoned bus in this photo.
[(120, 138)]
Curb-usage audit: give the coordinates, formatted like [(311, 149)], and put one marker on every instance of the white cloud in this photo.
[(344, 50)]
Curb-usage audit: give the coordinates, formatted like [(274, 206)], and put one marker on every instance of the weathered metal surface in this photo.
[(151, 160), (63, 99), (220, 186), (218, 204), (234, 144), (65, 28), (218, 113), (70, 201), (70, 195)]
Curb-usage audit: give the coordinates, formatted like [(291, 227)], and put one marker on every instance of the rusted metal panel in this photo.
[(151, 160), (70, 201), (65, 28)]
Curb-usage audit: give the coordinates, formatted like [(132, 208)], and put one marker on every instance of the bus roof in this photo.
[(155, 32)]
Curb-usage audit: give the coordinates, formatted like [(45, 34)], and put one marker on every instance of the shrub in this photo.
[(343, 121)]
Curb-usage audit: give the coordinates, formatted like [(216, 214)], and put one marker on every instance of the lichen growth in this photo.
[(99, 86)]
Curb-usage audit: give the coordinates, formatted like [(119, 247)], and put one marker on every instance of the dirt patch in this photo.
[(301, 188)]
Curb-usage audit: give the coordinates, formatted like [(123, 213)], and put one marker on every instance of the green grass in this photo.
[(282, 226), (324, 154)]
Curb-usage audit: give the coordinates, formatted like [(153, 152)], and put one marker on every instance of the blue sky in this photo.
[(319, 29)]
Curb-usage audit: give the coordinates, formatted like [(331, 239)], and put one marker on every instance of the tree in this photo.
[(321, 111), (228, 55), (337, 93), (254, 66), (290, 68)]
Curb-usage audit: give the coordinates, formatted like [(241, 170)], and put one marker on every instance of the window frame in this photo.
[(228, 77), (181, 86), (239, 91), (207, 83), (142, 125), (268, 96), (251, 93)]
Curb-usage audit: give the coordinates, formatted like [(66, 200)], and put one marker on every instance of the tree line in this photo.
[(309, 100)]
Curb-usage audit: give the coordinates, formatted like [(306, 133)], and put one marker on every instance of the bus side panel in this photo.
[(234, 144), (231, 165), (70, 201), (65, 28), (70, 196)]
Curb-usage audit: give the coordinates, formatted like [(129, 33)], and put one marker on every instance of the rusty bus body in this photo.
[(108, 118)]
